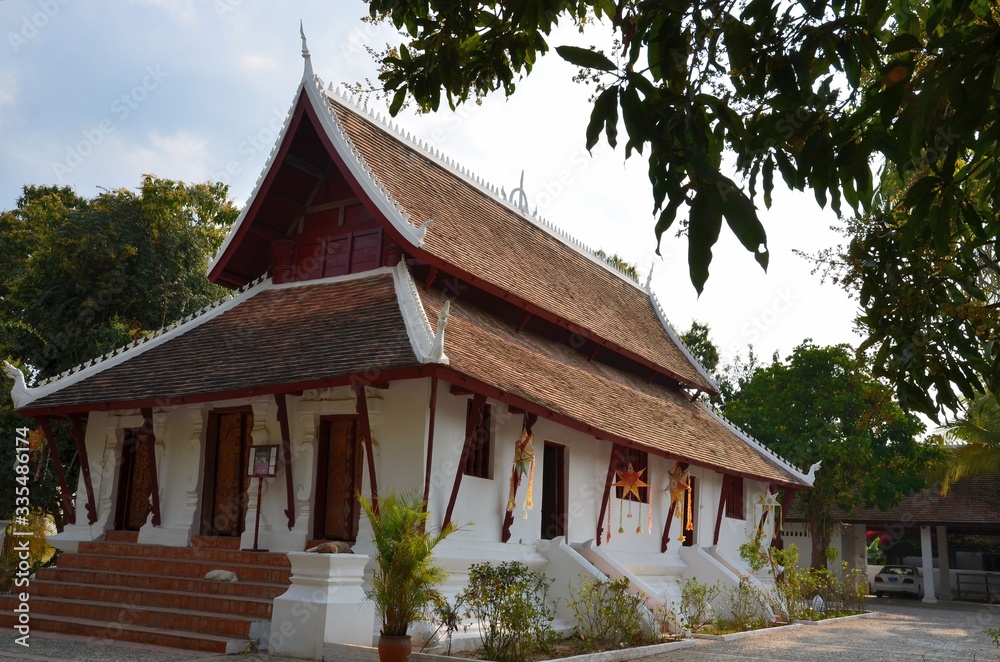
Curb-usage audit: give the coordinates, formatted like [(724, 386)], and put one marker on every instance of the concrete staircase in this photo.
[(119, 589)]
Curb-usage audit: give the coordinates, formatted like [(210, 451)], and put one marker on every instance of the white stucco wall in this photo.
[(399, 422)]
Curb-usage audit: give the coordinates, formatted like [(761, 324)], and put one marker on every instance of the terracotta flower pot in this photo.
[(394, 649)]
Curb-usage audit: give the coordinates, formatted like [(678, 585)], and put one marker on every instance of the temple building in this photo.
[(395, 324)]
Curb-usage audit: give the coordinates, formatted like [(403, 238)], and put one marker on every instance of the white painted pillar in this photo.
[(943, 565), (325, 604), (927, 559)]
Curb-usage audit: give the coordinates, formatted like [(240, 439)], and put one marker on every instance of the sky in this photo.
[(93, 97)]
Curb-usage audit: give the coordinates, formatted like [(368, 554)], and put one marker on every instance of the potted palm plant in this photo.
[(405, 580)]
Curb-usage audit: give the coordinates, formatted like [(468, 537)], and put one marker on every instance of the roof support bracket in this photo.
[(64, 495), (473, 422), (723, 497), (286, 457), (613, 464), (366, 431), (76, 430), (430, 439), (154, 488)]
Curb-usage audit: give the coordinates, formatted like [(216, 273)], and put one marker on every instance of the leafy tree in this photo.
[(929, 299), (978, 430), (697, 340), (819, 91), (80, 277), (619, 263), (820, 404)]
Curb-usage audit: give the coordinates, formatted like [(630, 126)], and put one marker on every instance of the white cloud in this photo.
[(8, 88), (254, 63), (182, 10)]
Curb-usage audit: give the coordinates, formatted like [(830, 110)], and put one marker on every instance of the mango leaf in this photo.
[(603, 108), (704, 224), (584, 57)]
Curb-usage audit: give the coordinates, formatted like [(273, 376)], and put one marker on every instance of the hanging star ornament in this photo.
[(678, 487), (631, 481), (524, 453), (768, 500)]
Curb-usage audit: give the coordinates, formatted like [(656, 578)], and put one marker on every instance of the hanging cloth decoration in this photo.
[(631, 482), (680, 485), (768, 501), (524, 464)]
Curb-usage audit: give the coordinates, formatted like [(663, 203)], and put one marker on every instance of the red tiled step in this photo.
[(133, 633), (216, 542), (55, 575), (118, 616), (217, 604), (122, 536), (207, 554), (174, 567)]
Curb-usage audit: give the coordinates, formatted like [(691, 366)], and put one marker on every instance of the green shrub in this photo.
[(509, 602), (607, 616), (745, 604), (994, 635), (696, 603)]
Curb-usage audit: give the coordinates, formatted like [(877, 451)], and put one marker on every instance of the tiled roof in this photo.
[(479, 234), (279, 335), (611, 401), (973, 501)]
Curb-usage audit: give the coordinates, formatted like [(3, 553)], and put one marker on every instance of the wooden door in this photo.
[(225, 497), (132, 506), (553, 491), (338, 479)]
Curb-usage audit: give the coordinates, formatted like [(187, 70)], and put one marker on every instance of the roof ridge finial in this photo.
[(305, 47)]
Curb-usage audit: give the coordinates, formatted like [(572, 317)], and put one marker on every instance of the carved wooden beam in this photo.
[(787, 497), (305, 166), (366, 431), (76, 431), (508, 519), (64, 495), (154, 488), (471, 424), (286, 457)]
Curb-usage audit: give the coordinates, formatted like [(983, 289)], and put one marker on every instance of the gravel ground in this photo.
[(905, 630)]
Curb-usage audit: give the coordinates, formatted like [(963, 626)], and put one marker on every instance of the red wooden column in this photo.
[(366, 432), (286, 457), (612, 467), (430, 440), (508, 519), (147, 430), (64, 495), (77, 432), (722, 507), (471, 424), (670, 518)]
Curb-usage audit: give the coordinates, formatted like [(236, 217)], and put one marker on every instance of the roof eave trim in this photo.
[(24, 396), (427, 345), (807, 478), (681, 345)]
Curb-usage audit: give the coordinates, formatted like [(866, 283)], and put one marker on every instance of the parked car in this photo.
[(899, 579)]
